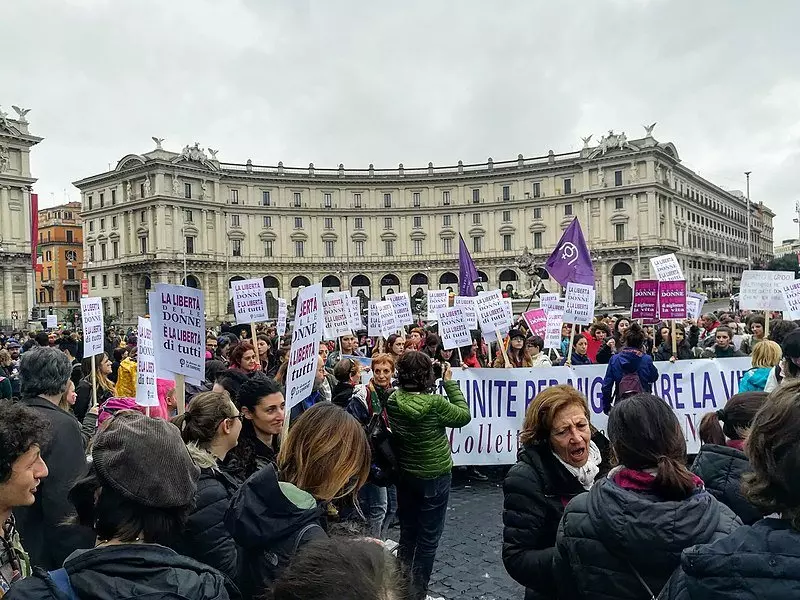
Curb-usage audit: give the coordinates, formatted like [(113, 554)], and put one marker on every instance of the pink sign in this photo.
[(536, 320), (645, 300), (672, 299)]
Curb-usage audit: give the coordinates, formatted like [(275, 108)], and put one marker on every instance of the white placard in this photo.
[(402, 308), (374, 328), (92, 319), (249, 301), (694, 305), (548, 301), (177, 314), (304, 355), (579, 304), (667, 268), (356, 322), (52, 321), (467, 304), (791, 296), (283, 311), (492, 311), (552, 330), (146, 389), (437, 300), (336, 312), (763, 290), (453, 329), (386, 318)]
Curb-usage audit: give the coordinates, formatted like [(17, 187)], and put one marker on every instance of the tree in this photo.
[(787, 262)]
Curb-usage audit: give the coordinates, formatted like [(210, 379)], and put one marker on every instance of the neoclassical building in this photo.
[(171, 217), (16, 265)]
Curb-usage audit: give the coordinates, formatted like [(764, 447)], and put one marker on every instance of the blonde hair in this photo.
[(541, 412), (766, 353), (326, 453)]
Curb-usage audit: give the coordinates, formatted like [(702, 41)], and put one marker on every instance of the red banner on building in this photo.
[(35, 232), (84, 288)]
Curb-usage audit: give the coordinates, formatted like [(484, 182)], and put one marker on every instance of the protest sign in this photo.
[(791, 296), (492, 311), (402, 309), (437, 299), (579, 304), (146, 390), (497, 399), (283, 311), (304, 354), (537, 321), (336, 314), (548, 301), (467, 304), (453, 328), (694, 305), (356, 322), (552, 328), (386, 318), (645, 300), (667, 268), (374, 328), (763, 290), (52, 321), (249, 302), (672, 299), (177, 315), (92, 319)]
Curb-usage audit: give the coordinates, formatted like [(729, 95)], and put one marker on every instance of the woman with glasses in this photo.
[(534, 346), (210, 428)]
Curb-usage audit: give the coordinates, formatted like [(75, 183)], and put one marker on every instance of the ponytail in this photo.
[(673, 480), (711, 430)]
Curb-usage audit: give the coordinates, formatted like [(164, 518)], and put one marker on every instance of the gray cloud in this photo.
[(358, 82)]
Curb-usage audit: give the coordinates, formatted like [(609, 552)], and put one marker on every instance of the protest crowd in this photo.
[(315, 459)]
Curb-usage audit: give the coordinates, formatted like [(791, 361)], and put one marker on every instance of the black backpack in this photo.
[(385, 469)]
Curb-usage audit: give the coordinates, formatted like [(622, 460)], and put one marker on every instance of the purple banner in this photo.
[(645, 300), (536, 320), (672, 299)]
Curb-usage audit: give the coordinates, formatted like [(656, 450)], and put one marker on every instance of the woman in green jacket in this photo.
[(418, 418)]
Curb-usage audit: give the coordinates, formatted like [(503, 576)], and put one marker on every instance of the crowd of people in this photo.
[(101, 498)]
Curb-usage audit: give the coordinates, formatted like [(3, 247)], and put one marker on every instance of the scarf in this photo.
[(587, 473), (641, 481)]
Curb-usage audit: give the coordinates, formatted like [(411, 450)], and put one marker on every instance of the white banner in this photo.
[(548, 301), (92, 320), (694, 305), (579, 304), (355, 320), (437, 300), (374, 328), (283, 311), (498, 397), (304, 355), (146, 390), (453, 329), (249, 301), (402, 309), (387, 319), (791, 296), (52, 321), (177, 314), (467, 304), (667, 268), (492, 311), (763, 290), (336, 312), (552, 329)]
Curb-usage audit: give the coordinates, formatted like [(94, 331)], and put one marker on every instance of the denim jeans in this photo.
[(373, 504), (422, 508), (391, 510)]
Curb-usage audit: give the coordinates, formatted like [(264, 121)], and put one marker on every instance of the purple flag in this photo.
[(571, 261), (467, 273)]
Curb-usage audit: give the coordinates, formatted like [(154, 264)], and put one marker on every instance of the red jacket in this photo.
[(594, 345)]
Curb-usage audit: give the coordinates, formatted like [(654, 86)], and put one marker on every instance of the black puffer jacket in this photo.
[(664, 351), (536, 490), (721, 469), (758, 561), (129, 571), (609, 530)]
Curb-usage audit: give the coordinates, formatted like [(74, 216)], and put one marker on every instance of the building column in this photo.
[(5, 214), (8, 294)]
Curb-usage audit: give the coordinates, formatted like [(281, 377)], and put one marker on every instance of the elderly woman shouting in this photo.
[(561, 457)]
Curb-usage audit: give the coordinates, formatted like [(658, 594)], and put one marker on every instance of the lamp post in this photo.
[(749, 241)]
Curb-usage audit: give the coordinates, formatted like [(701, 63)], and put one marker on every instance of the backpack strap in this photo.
[(61, 578), (299, 539)]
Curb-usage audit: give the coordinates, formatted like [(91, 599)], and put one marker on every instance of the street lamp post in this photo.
[(749, 240)]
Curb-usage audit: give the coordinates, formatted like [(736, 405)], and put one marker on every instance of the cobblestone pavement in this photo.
[(469, 562)]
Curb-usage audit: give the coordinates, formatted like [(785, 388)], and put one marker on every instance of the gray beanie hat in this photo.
[(145, 460)]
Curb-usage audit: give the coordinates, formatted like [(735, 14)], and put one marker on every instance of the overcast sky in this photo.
[(358, 82)]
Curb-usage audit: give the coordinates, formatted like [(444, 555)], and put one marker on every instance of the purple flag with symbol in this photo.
[(571, 261), (467, 273)]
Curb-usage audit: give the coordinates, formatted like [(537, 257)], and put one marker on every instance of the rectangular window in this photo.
[(142, 216), (115, 249), (116, 279), (567, 186), (507, 243), (94, 282), (537, 240), (387, 201), (189, 216), (189, 245), (447, 245), (267, 221), (476, 218), (298, 222), (298, 199), (102, 224), (268, 248), (446, 219), (265, 198), (105, 280), (329, 249), (141, 191), (328, 223), (619, 203), (103, 252), (537, 213), (360, 248), (568, 210), (69, 236), (476, 196), (143, 245), (477, 244), (357, 200), (506, 193), (299, 248), (327, 201), (618, 178), (113, 197), (236, 247), (91, 225), (234, 196), (619, 231), (359, 221), (71, 273), (537, 189), (417, 247), (113, 222), (417, 222), (415, 198), (235, 221), (387, 223), (89, 202), (389, 247), (187, 190), (102, 200), (506, 216), (446, 198)]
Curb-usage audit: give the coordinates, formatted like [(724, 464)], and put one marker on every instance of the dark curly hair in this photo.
[(20, 429), (415, 371)]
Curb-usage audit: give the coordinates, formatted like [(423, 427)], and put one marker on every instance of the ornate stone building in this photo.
[(160, 214), (61, 249), (16, 266)]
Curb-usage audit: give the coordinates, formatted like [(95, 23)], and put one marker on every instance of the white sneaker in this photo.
[(432, 598), (390, 545)]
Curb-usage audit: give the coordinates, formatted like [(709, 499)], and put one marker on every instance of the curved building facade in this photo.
[(171, 217)]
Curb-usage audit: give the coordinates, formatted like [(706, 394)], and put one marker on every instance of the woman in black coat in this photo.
[(561, 458), (664, 351), (760, 560), (721, 461), (624, 538)]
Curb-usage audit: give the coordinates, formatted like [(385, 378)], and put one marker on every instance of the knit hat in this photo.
[(146, 461), (516, 333)]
